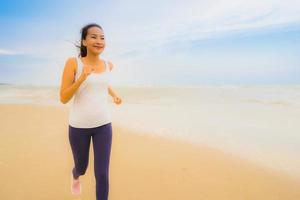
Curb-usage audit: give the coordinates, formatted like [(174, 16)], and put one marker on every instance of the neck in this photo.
[(91, 58)]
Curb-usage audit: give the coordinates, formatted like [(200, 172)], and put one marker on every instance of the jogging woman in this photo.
[(86, 78)]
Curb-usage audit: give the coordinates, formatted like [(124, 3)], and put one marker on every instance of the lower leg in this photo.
[(102, 139)]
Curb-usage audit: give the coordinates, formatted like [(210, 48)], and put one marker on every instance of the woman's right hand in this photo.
[(86, 71)]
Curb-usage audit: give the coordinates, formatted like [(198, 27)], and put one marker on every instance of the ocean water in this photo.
[(257, 123)]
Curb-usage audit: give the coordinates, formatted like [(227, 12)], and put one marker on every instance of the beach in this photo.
[(208, 142), (36, 160), (203, 99)]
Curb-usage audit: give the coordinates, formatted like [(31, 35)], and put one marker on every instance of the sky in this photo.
[(155, 43)]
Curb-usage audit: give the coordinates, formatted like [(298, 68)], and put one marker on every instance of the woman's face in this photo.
[(94, 41)]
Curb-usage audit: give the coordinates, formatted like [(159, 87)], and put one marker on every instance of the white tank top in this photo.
[(89, 108)]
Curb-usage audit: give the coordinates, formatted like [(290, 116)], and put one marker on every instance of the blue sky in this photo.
[(156, 42)]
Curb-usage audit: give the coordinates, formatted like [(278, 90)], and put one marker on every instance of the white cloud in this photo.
[(197, 20), (9, 52)]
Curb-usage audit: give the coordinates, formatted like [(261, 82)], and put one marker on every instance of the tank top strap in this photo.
[(79, 67), (106, 66)]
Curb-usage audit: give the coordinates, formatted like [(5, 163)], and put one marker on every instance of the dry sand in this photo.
[(36, 159)]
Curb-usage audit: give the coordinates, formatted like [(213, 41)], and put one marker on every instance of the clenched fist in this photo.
[(117, 100), (86, 71)]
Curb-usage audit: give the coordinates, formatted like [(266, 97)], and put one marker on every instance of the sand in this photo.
[(36, 160)]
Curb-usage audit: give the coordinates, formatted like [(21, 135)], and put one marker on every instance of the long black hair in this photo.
[(84, 31)]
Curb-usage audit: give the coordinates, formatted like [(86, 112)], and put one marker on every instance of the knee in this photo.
[(81, 170)]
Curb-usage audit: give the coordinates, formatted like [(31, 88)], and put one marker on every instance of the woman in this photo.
[(87, 78)]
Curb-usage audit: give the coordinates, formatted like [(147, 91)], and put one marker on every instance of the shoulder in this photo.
[(71, 60), (71, 64), (111, 66)]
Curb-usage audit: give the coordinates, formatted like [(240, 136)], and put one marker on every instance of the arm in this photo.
[(68, 86), (116, 98), (110, 90)]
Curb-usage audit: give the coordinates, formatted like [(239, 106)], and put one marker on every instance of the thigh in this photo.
[(79, 139), (102, 140)]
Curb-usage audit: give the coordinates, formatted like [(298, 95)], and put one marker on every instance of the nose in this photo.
[(99, 42)]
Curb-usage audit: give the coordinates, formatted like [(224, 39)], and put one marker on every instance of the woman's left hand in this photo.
[(117, 100)]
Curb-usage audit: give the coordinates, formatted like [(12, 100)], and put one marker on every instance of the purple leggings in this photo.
[(80, 144)]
